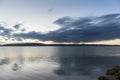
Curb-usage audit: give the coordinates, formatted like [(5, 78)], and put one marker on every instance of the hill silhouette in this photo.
[(42, 44)]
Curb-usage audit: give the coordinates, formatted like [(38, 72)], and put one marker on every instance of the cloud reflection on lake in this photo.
[(56, 63)]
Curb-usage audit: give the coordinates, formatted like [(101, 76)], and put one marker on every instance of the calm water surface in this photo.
[(57, 63)]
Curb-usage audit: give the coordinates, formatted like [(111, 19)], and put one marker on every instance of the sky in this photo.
[(70, 21)]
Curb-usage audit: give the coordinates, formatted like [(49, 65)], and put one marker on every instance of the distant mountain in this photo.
[(42, 44)]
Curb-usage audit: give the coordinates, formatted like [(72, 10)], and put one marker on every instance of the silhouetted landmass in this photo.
[(25, 44), (41, 44)]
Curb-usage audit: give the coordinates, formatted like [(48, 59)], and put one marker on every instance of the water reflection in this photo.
[(56, 63), (27, 63), (4, 61), (83, 61), (18, 64)]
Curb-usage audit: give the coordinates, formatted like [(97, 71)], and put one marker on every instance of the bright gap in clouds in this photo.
[(31, 26), (43, 28)]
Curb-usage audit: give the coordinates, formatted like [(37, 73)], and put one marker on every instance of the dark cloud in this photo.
[(17, 26), (50, 10), (86, 29), (5, 31), (23, 30), (8, 31), (30, 35)]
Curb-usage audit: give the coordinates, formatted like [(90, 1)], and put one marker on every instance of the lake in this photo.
[(57, 63)]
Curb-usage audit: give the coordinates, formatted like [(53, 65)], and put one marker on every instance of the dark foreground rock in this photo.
[(111, 74)]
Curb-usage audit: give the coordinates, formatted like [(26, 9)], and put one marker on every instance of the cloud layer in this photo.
[(86, 29)]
